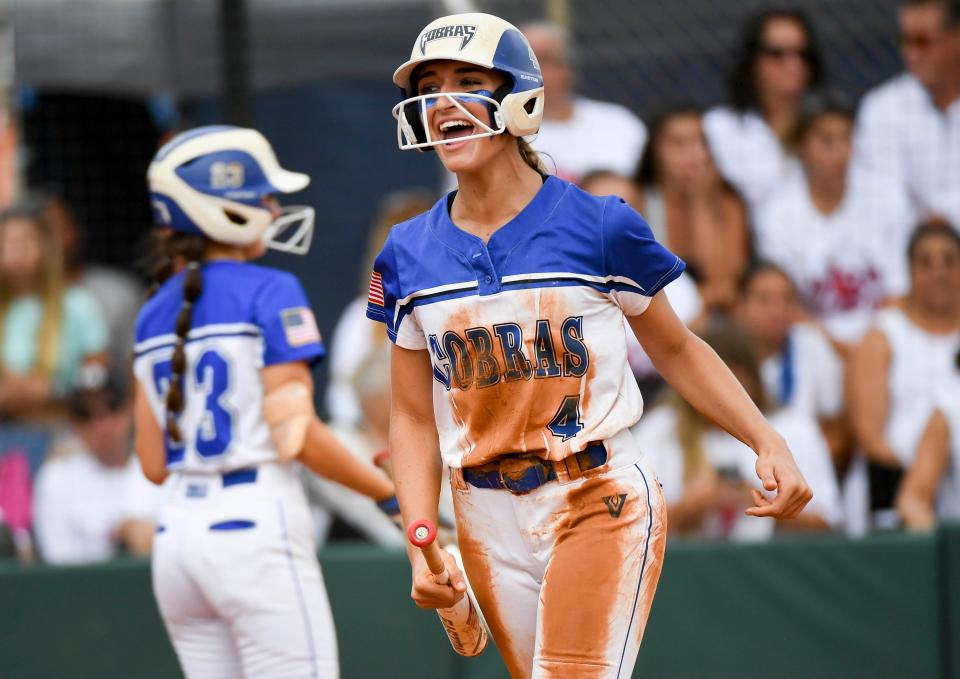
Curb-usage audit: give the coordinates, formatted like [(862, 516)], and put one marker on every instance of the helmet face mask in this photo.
[(214, 181), (481, 40), (413, 128), (292, 231)]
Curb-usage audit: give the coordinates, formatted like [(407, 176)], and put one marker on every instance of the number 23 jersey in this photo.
[(525, 332), (247, 317)]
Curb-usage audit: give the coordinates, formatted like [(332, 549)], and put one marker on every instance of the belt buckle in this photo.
[(516, 477)]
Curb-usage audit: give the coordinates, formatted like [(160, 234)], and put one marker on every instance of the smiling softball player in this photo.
[(506, 303)]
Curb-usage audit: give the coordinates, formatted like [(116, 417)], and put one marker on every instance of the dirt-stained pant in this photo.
[(565, 575)]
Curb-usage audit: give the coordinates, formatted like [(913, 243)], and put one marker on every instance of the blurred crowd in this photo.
[(823, 265)]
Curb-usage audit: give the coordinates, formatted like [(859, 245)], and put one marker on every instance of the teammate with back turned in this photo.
[(506, 303), (224, 406)]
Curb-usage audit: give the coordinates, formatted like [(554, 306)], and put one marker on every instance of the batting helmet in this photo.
[(482, 40), (213, 181)]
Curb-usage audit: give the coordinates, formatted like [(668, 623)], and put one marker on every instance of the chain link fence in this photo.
[(648, 54)]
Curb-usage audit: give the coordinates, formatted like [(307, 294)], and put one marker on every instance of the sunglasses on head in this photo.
[(775, 52)]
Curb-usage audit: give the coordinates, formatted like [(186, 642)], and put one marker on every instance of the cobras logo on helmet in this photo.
[(463, 31), (483, 40), (212, 181)]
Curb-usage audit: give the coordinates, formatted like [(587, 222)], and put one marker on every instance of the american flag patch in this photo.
[(375, 294), (299, 326)]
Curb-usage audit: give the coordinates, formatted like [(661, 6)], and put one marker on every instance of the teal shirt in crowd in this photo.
[(83, 332)]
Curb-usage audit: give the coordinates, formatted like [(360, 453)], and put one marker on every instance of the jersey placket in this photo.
[(488, 279)]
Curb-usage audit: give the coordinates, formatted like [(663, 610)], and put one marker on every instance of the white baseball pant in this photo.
[(565, 574), (237, 581)]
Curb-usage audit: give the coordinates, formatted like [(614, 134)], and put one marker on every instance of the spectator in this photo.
[(15, 507), (906, 359), (610, 183), (8, 152), (119, 294), (931, 487), (354, 336), (798, 367), (50, 331), (708, 476), (830, 230), (691, 209), (91, 499), (777, 63), (577, 133), (908, 129)]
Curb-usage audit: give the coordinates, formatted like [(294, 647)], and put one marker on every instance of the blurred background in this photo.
[(804, 160)]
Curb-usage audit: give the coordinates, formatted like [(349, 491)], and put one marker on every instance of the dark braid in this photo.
[(191, 249)]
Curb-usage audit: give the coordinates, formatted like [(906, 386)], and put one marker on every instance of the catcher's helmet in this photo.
[(213, 180), (482, 40)]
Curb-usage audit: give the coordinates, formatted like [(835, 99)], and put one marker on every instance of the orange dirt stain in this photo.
[(585, 589)]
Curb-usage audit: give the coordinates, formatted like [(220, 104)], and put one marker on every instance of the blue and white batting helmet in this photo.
[(212, 181), (482, 40)]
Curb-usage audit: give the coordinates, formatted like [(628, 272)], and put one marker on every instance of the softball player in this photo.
[(506, 303), (224, 406)]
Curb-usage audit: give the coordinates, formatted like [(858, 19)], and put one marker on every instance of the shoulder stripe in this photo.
[(604, 284), (198, 333), (565, 275)]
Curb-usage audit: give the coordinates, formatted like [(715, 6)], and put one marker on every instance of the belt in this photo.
[(521, 473), (238, 476)]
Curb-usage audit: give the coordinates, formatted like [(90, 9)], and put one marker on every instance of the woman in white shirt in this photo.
[(707, 474), (777, 63), (931, 487), (839, 240), (906, 359)]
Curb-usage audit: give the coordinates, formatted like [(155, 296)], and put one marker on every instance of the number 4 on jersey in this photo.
[(566, 423)]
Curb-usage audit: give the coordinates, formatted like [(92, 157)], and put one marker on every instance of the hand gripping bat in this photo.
[(461, 621)]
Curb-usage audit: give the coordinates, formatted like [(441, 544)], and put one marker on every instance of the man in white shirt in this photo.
[(90, 499), (908, 129), (579, 134)]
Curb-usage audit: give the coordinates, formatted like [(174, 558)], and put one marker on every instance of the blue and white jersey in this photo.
[(525, 332), (247, 317)]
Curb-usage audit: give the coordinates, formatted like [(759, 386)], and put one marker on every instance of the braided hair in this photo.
[(171, 247)]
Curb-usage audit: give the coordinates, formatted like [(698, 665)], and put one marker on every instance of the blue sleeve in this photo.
[(639, 267), (283, 314)]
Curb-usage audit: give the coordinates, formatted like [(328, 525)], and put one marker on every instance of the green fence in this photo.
[(887, 606)]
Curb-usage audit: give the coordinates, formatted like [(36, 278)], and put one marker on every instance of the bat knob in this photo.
[(422, 533)]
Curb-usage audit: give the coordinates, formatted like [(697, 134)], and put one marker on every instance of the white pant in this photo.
[(565, 575), (237, 581)]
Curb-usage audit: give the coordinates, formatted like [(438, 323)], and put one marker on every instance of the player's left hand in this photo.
[(778, 472)]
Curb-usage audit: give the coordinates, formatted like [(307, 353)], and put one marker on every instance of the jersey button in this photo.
[(488, 279)]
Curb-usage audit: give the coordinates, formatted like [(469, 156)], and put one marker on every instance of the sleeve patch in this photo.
[(299, 326), (375, 292)]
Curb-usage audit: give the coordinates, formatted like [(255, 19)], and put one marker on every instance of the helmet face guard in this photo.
[(413, 127), (292, 231)]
